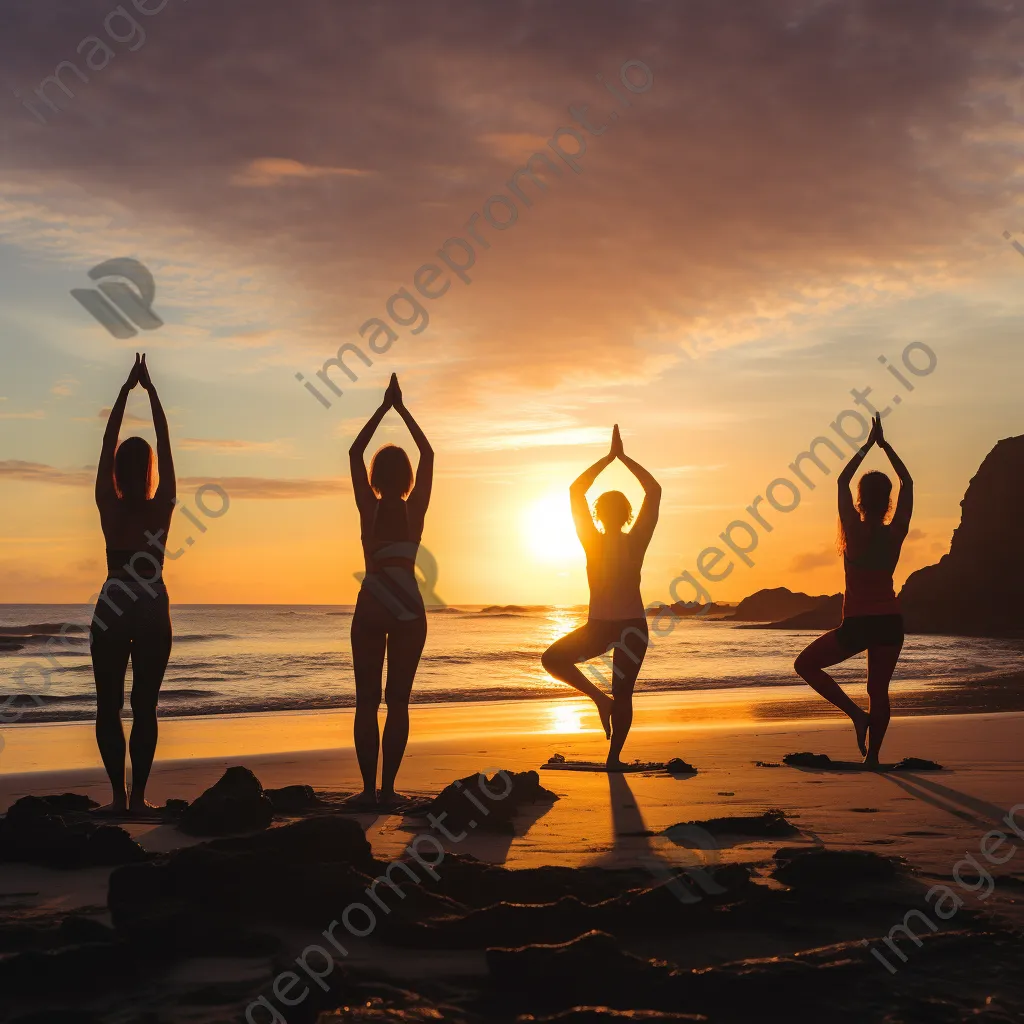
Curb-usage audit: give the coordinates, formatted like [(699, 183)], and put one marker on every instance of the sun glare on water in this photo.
[(549, 531)]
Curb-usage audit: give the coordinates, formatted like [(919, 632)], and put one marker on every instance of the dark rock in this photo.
[(236, 803), (489, 805), (917, 764), (289, 873), (773, 604), (583, 958), (828, 614), (31, 832), (677, 766), (174, 809), (817, 867), (770, 825), (977, 589), (605, 1015), (293, 799), (76, 929), (33, 806), (58, 1017), (805, 759)]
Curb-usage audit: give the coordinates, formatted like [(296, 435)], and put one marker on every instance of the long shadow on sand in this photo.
[(981, 814)]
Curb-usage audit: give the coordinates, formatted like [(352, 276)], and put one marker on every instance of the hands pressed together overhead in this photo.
[(393, 394), (139, 374)]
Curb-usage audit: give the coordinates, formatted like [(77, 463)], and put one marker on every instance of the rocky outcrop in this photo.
[(488, 804), (978, 588), (235, 803), (774, 604), (56, 831), (827, 614)]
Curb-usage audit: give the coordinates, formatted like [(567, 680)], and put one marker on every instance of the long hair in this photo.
[(874, 500), (391, 472), (133, 470)]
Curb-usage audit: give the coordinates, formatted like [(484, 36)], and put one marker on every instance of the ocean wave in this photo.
[(43, 628), (182, 638)]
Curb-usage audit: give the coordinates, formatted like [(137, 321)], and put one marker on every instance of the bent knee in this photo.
[(552, 661)]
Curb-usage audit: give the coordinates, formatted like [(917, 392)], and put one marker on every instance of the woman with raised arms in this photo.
[(872, 619), (135, 620), (390, 617), (617, 618)]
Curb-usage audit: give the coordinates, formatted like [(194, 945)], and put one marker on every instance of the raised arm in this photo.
[(585, 528), (905, 502), (847, 511), (167, 488), (420, 497), (360, 478), (647, 519), (105, 490)]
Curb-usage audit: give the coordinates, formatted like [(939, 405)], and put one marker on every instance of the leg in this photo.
[(151, 650), (110, 650), (369, 639), (881, 665), (405, 645), (810, 665), (626, 664), (561, 660)]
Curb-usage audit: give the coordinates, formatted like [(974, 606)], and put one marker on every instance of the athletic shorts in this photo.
[(859, 632)]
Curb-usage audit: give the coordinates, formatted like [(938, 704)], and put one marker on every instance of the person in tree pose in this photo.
[(617, 618), (872, 620)]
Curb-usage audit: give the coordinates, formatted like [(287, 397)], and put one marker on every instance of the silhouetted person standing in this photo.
[(872, 619), (134, 620), (617, 618), (389, 616)]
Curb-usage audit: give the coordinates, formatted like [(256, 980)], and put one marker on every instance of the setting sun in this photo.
[(549, 531)]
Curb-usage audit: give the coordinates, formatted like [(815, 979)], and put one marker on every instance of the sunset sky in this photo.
[(804, 187)]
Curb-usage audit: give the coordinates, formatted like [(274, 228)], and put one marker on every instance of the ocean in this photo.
[(237, 659)]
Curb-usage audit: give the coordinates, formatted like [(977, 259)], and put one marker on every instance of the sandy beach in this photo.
[(612, 822), (925, 818)]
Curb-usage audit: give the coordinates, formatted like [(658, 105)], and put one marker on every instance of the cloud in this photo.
[(129, 419), (789, 160), (270, 171), (64, 387), (269, 488), (39, 473), (228, 445), (915, 535), (37, 414), (811, 560), (236, 486)]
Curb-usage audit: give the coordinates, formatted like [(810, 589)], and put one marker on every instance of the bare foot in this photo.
[(616, 764), (142, 809), (115, 809), (390, 800), (365, 801), (860, 723), (604, 710), (871, 761)]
